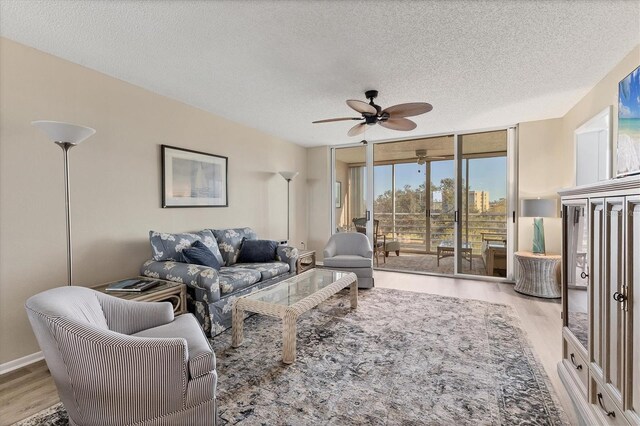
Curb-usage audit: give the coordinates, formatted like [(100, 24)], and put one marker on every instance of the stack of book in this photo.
[(132, 285)]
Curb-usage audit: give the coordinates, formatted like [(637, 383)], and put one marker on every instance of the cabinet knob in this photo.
[(584, 275), (619, 297)]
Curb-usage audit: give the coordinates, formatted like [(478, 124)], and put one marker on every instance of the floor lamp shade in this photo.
[(66, 136), (539, 208), (288, 176), (64, 132)]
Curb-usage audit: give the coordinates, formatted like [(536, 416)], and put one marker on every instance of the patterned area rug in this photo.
[(401, 358)]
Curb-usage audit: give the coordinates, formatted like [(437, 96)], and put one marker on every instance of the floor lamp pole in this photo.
[(66, 146), (288, 208), (66, 136), (288, 176)]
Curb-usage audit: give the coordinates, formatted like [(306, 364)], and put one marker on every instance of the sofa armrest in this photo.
[(288, 255), (201, 278)]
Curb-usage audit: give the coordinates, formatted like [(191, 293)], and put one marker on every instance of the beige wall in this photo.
[(319, 198), (603, 94), (542, 161), (547, 155), (115, 177)]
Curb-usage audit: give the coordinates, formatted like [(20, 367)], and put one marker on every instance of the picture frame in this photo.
[(193, 178), (628, 148), (338, 194)]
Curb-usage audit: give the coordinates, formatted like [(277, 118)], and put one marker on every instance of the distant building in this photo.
[(479, 200)]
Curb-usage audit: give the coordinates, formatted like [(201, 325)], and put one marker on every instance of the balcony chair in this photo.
[(119, 362), (379, 247), (350, 252)]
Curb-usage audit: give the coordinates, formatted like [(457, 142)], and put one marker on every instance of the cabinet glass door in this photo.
[(633, 307), (614, 276), (596, 247), (577, 271)]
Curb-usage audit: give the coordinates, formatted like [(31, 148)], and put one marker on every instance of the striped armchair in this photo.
[(119, 362)]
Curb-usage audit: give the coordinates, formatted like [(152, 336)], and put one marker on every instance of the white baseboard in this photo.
[(20, 362)]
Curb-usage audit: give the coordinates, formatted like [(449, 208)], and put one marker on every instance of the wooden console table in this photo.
[(538, 275), (166, 291)]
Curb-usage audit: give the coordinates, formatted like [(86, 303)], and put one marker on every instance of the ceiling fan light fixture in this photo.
[(393, 118)]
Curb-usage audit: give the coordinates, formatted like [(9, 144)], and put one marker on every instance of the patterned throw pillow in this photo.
[(168, 246), (230, 241)]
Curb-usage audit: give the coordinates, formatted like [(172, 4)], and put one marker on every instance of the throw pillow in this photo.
[(257, 251), (230, 240), (168, 246), (199, 254)]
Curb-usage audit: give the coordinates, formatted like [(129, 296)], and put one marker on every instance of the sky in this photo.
[(485, 174), (629, 96)]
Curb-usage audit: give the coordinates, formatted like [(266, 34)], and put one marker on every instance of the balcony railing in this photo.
[(411, 229)]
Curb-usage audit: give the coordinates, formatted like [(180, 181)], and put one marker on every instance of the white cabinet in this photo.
[(606, 389)]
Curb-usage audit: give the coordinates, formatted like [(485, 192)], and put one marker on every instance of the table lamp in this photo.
[(539, 208)]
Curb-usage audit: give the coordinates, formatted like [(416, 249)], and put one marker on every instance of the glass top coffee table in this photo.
[(289, 299)]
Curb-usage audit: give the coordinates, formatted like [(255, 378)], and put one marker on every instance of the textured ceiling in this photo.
[(278, 65)]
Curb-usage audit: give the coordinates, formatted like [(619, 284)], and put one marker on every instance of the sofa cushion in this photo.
[(233, 279), (199, 254), (201, 358), (169, 246), (267, 270), (230, 241), (348, 261), (253, 251)]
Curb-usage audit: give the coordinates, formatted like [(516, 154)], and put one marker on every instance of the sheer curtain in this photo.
[(357, 191)]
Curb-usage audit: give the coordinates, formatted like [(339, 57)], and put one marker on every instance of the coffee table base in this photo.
[(288, 314)]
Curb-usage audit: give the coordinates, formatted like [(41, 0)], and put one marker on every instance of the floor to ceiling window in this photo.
[(440, 204)]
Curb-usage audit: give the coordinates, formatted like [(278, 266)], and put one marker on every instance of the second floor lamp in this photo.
[(288, 176)]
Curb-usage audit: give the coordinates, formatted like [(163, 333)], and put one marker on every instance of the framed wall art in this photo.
[(628, 152), (193, 178)]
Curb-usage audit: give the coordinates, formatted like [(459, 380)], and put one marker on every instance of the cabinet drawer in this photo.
[(576, 363), (604, 407)]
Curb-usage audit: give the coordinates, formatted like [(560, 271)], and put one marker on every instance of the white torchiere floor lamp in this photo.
[(288, 176), (66, 136)]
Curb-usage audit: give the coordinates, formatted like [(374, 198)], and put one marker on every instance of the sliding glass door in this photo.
[(483, 197), (441, 205)]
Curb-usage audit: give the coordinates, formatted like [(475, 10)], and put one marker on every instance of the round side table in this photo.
[(538, 275)]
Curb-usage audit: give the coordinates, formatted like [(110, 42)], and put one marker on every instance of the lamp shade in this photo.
[(64, 132), (288, 175), (539, 207)]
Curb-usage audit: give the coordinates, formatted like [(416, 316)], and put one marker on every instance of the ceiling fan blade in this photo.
[(357, 129), (362, 107), (329, 120), (408, 110), (398, 124)]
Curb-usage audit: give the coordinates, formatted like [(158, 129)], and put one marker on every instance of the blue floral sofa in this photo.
[(210, 293)]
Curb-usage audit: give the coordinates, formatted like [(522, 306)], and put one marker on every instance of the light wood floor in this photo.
[(31, 389)]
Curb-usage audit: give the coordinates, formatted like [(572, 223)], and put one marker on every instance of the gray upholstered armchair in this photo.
[(351, 251), (119, 362)]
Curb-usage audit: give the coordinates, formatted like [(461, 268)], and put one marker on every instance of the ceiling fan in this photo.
[(422, 157), (392, 118)]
